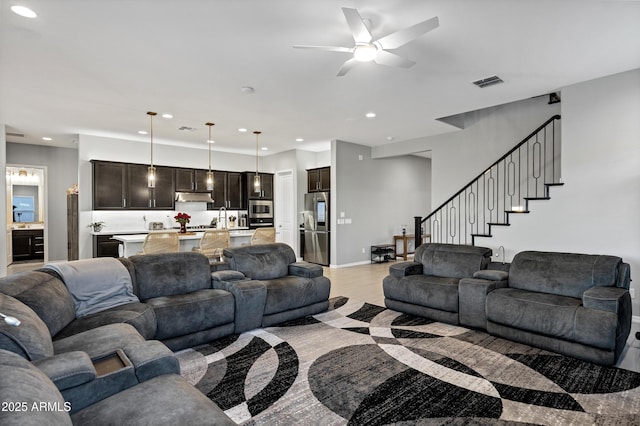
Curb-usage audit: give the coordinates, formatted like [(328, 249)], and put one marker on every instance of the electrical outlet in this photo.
[(632, 292)]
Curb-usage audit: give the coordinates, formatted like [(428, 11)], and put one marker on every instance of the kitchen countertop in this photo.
[(123, 231), (138, 238)]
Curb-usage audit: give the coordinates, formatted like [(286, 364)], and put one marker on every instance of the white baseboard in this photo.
[(346, 265)]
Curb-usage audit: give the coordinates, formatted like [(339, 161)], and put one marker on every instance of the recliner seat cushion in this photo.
[(191, 312), (566, 274), (452, 260), (291, 292), (552, 315), (424, 290), (139, 315)]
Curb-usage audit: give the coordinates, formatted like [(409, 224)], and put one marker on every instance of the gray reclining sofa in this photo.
[(103, 361)]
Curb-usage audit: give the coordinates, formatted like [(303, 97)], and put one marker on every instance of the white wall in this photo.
[(378, 196), (597, 209), (3, 196)]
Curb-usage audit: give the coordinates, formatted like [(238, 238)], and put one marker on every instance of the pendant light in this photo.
[(209, 173), (151, 173), (256, 179)]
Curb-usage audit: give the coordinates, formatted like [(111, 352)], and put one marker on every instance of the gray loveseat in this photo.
[(574, 304), (270, 287), (428, 286)]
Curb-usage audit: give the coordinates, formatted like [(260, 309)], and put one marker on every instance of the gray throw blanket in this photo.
[(96, 284)]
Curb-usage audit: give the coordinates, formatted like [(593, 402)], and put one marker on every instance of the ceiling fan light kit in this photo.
[(367, 49)]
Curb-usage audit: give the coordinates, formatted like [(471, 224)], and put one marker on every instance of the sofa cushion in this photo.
[(291, 292), (262, 261), (542, 313), (169, 274), (424, 290), (188, 313), (565, 274), (45, 293), (452, 260), (139, 315), (25, 384), (163, 400), (31, 339), (100, 341)]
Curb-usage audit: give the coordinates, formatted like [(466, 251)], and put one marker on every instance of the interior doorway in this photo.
[(285, 208), (26, 230)]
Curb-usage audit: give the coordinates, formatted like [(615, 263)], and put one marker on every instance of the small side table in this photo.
[(383, 253), (405, 240)]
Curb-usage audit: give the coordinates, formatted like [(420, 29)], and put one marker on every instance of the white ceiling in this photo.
[(96, 67)]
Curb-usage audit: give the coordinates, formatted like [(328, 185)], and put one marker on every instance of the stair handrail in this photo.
[(419, 220)]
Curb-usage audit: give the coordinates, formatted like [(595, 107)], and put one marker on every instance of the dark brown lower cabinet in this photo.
[(27, 244), (105, 246)]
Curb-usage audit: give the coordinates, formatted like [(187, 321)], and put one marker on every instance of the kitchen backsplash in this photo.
[(138, 220)]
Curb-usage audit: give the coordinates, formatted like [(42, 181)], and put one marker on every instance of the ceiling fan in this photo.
[(367, 49)]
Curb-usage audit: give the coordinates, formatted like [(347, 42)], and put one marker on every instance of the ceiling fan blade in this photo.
[(326, 48), (393, 60), (401, 37), (359, 30), (347, 66)]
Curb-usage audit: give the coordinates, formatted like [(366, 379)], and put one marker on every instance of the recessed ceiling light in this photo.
[(390, 138), (46, 138), (167, 115), (142, 132), (370, 115), (299, 140), (264, 148), (242, 130), (211, 141), (23, 11)]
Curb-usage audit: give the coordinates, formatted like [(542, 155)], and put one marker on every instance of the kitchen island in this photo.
[(132, 244)]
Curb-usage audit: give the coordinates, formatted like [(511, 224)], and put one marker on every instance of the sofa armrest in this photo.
[(250, 297), (305, 269), (404, 269), (491, 275), (151, 358), (67, 370), (227, 275), (472, 300), (604, 298)]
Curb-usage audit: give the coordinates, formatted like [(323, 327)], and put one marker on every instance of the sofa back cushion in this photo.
[(261, 261), (452, 260), (36, 400), (45, 293), (169, 274), (564, 274), (31, 339)]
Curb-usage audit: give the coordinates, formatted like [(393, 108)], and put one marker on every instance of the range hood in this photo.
[(193, 197)]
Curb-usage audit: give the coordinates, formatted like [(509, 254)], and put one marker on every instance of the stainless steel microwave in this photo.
[(260, 209)]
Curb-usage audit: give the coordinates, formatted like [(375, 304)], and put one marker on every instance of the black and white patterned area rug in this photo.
[(361, 364)]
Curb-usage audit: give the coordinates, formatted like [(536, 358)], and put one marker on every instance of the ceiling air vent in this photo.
[(187, 129), (488, 81)]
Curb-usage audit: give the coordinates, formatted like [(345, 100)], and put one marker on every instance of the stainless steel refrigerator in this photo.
[(316, 228)]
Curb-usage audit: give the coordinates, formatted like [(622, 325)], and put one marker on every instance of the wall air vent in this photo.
[(15, 135), (488, 81)]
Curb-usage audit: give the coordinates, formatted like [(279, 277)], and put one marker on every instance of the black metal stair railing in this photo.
[(523, 174)]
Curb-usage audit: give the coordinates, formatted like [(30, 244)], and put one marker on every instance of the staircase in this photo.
[(524, 174)]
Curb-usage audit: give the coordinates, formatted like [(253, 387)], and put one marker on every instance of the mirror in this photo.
[(24, 189)]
